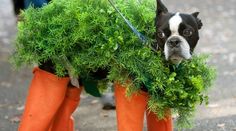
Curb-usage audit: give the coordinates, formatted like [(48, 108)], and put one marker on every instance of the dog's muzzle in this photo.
[(176, 49)]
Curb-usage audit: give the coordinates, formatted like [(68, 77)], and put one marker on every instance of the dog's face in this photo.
[(177, 33)]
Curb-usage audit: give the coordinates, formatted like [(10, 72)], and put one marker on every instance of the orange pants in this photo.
[(130, 113), (51, 102)]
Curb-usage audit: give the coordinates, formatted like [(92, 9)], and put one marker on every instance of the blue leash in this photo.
[(140, 36)]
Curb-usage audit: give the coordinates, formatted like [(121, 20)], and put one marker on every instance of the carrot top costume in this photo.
[(91, 36)]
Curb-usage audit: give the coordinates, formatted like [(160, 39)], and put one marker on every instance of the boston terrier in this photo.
[(176, 33)]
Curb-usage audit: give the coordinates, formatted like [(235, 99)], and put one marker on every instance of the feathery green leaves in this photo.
[(92, 35)]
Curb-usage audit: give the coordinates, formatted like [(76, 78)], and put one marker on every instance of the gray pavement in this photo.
[(217, 38)]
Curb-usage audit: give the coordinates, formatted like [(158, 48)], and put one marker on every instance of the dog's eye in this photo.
[(161, 34), (187, 32)]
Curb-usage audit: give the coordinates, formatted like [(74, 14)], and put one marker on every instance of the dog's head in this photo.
[(177, 33)]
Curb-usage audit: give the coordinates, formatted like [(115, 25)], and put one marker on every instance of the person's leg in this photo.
[(154, 124), (18, 5), (45, 96), (130, 111), (63, 121)]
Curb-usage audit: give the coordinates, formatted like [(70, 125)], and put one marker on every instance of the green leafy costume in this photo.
[(92, 36)]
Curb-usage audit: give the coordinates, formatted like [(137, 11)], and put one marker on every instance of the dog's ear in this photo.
[(161, 8), (199, 22), (195, 14)]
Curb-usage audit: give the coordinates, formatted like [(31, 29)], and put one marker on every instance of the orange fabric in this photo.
[(154, 124), (46, 94), (63, 121), (130, 111)]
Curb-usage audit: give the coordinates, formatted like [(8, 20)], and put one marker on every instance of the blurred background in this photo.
[(217, 38)]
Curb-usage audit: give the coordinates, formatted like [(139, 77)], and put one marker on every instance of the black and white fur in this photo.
[(176, 33)]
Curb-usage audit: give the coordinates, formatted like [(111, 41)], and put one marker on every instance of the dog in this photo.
[(176, 33), (176, 36)]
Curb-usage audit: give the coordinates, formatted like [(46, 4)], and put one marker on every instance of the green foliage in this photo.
[(92, 35), (184, 87)]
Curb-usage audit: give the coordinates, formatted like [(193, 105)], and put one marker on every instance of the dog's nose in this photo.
[(174, 42)]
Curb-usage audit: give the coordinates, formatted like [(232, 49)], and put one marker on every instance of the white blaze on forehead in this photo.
[(174, 23)]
